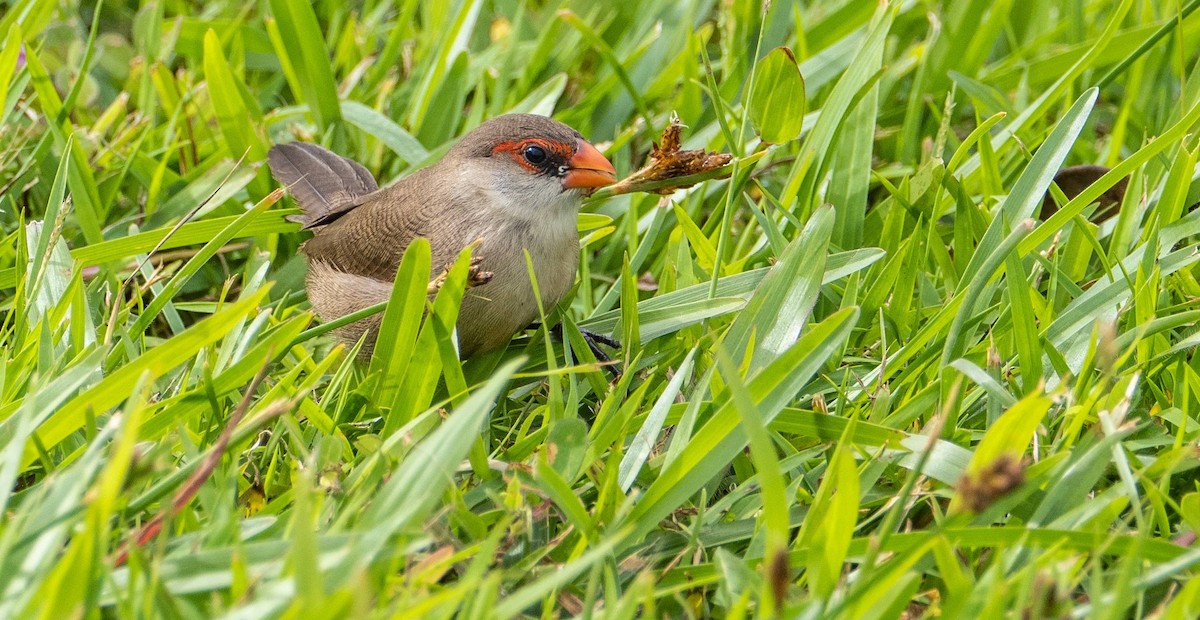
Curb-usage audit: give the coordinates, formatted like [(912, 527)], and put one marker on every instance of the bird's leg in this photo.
[(435, 284), (592, 338), (475, 276), (593, 341)]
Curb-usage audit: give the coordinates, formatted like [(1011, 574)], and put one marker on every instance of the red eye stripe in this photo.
[(558, 151)]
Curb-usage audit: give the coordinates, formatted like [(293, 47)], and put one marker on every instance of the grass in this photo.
[(860, 379)]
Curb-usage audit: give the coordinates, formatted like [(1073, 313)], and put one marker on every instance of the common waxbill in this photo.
[(514, 184)]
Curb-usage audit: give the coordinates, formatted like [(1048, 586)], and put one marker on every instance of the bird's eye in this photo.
[(534, 154)]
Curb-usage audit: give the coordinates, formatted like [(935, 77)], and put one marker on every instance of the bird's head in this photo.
[(533, 159)]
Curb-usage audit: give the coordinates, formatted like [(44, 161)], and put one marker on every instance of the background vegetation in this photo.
[(915, 401)]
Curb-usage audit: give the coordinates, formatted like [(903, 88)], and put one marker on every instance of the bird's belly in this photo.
[(492, 313)]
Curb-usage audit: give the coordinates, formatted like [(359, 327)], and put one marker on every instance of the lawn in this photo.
[(864, 373)]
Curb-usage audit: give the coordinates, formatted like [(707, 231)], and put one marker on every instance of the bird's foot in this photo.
[(475, 276), (592, 338), (435, 284), (594, 341)]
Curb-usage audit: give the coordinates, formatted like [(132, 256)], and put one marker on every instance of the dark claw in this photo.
[(476, 276), (607, 341), (593, 341)]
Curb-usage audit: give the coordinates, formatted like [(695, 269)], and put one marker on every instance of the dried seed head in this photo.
[(668, 162), (779, 574), (1106, 346), (984, 488)]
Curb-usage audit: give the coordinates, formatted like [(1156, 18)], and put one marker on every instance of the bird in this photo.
[(512, 185)]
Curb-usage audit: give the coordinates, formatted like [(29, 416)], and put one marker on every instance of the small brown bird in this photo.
[(514, 183)]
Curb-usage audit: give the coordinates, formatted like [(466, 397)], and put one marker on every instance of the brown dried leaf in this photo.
[(998, 479), (670, 167), (1072, 180), (647, 283)]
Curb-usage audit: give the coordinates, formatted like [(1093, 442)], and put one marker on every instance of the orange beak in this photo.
[(589, 169)]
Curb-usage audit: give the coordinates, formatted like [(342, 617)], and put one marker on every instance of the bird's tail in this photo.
[(335, 294), (326, 185)]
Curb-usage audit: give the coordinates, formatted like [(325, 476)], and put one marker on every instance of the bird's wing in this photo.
[(371, 239), (325, 184)]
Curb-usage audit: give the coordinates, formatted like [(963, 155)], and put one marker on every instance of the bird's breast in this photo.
[(492, 313)]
